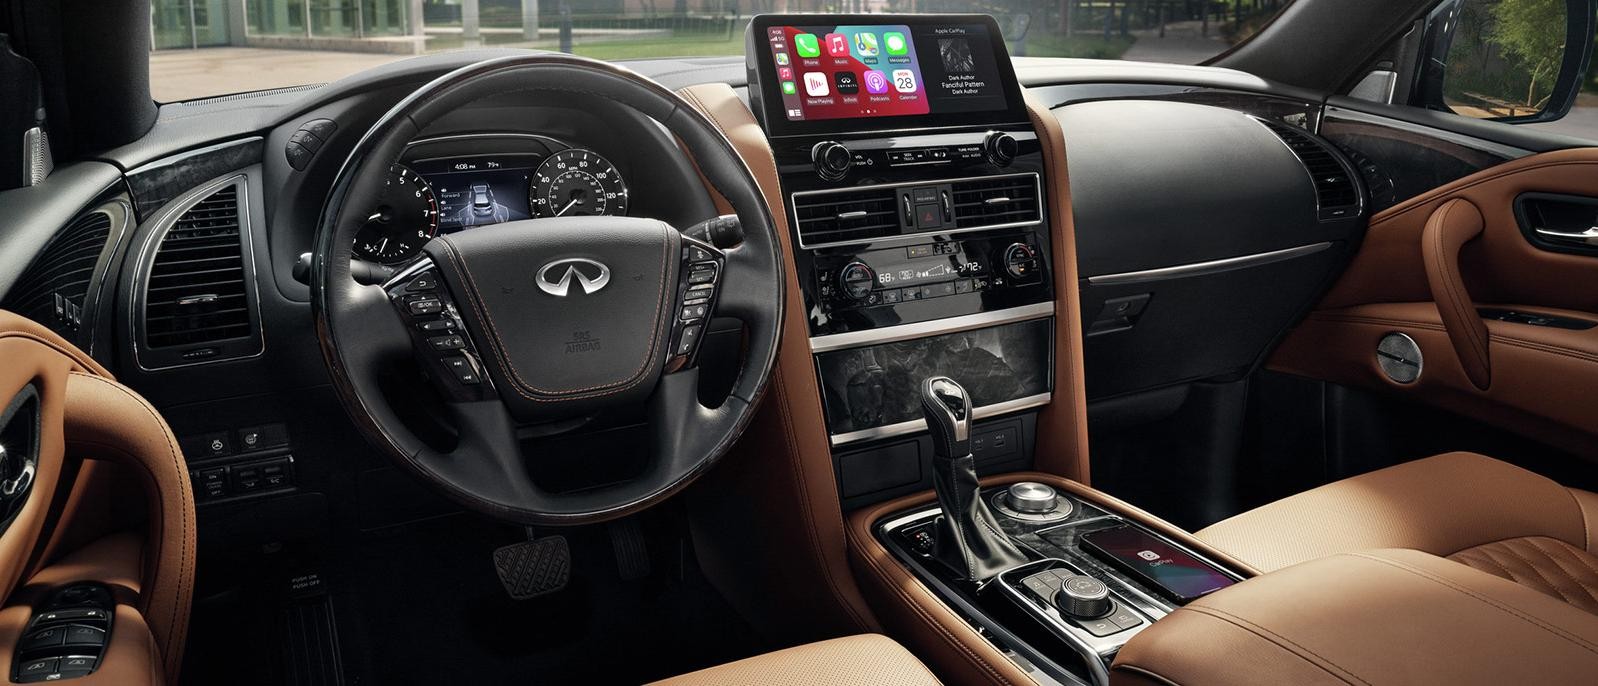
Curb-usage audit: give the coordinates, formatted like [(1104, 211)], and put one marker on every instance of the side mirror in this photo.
[(1514, 61)]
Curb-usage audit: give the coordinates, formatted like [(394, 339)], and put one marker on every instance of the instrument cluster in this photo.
[(455, 183)]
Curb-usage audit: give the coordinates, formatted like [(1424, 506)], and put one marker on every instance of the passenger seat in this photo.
[(1469, 508), (865, 660)]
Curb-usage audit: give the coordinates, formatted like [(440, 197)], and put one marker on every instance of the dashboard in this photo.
[(443, 186)]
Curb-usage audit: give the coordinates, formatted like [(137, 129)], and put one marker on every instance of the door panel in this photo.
[(1538, 369)]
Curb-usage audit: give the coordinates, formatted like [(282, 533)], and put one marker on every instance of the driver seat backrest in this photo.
[(100, 446)]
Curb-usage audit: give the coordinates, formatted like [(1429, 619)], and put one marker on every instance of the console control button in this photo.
[(1083, 597), (43, 638), (1124, 618), (84, 636), (36, 670), (1098, 627), (1020, 261), (1031, 497)]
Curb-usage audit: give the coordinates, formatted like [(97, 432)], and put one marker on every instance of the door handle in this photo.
[(1590, 236), (1451, 226)]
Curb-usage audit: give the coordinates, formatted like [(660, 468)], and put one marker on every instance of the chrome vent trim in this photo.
[(196, 299), (872, 213), (64, 285), (1337, 193)]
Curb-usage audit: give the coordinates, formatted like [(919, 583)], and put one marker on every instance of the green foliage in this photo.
[(1505, 56)]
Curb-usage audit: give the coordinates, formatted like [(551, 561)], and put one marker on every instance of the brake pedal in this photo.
[(534, 567)]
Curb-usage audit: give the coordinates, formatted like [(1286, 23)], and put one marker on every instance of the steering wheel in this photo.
[(538, 321)]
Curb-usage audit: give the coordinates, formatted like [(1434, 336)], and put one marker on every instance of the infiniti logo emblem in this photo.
[(591, 274)]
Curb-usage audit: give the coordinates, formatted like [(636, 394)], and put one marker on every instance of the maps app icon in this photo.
[(866, 44)]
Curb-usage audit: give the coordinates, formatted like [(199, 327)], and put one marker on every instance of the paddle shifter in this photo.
[(969, 538)]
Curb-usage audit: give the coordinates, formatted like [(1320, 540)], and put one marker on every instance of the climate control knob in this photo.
[(856, 280), (1001, 148), (1020, 262), (1083, 597), (832, 160)]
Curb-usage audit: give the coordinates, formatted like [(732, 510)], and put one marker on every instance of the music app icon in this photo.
[(837, 45)]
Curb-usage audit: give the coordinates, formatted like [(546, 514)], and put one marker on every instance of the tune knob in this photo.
[(1083, 597), (856, 280), (832, 160), (1001, 148), (1031, 497)]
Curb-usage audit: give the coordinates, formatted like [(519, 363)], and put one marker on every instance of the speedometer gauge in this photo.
[(406, 217), (577, 182)]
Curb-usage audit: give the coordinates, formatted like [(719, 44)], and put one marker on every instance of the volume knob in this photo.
[(832, 160), (1001, 148)]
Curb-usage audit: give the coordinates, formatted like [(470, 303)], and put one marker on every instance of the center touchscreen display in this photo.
[(881, 67), (1154, 562)]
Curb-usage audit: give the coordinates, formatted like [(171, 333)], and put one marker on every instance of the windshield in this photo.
[(202, 49)]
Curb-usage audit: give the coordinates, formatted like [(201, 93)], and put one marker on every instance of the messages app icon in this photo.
[(895, 42), (806, 45)]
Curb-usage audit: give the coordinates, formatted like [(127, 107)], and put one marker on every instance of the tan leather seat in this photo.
[(865, 660), (1472, 509)]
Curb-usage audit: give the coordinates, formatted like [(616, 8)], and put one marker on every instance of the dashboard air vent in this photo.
[(1335, 190), (997, 201), (55, 289), (847, 216), (196, 292)]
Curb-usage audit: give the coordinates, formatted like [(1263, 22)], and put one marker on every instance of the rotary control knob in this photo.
[(1001, 148), (856, 280), (1031, 497), (1083, 597), (1020, 262), (832, 160)]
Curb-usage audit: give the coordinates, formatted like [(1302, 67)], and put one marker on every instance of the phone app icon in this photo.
[(876, 82), (816, 84), (866, 44), (785, 73), (805, 44), (895, 43), (904, 80), (846, 82), (837, 45), (782, 58), (787, 88)]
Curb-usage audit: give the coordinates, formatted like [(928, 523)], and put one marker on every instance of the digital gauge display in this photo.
[(479, 190)]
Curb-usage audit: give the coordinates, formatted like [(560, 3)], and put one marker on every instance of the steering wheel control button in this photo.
[(424, 282), (462, 370), (693, 312), (689, 339), (702, 274), (435, 325), (424, 306), (443, 343), (1083, 597)]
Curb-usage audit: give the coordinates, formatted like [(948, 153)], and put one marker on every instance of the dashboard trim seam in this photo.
[(1210, 267), (903, 332)]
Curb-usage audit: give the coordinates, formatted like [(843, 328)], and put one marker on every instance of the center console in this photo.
[(916, 192)]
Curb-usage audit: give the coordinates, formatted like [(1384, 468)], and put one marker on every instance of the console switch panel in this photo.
[(67, 638)]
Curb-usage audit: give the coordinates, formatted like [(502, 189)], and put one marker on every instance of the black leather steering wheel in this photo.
[(550, 318)]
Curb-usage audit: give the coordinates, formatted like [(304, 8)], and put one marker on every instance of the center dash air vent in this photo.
[(198, 302), (55, 290), (997, 201), (830, 217), (1335, 190)]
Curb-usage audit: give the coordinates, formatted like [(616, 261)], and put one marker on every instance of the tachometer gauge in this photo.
[(577, 182), (406, 217)]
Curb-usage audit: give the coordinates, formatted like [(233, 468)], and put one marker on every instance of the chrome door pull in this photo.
[(1590, 236)]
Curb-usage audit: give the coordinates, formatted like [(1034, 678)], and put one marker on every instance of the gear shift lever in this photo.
[(969, 538)]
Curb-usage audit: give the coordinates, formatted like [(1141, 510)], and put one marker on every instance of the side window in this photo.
[(1516, 61)]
